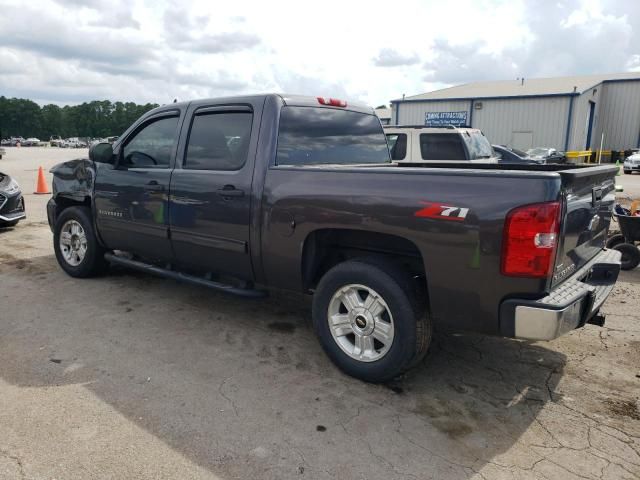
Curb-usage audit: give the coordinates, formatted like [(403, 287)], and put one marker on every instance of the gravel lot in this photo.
[(130, 376)]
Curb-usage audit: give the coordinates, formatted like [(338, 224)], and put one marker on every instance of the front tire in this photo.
[(75, 244), (368, 319)]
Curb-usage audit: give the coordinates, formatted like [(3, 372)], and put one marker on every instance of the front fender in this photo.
[(74, 180)]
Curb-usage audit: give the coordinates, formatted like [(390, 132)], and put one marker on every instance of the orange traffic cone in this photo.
[(41, 186)]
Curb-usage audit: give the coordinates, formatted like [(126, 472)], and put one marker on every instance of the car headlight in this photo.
[(12, 188)]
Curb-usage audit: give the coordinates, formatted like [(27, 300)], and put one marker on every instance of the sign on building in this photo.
[(442, 119)]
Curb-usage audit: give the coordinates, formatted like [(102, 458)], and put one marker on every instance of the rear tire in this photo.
[(630, 256), (380, 332), (614, 240), (627, 172), (79, 254)]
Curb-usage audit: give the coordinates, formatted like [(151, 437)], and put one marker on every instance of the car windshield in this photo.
[(520, 153), (478, 145), (538, 152)]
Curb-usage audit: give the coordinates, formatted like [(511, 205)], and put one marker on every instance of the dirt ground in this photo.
[(130, 376)]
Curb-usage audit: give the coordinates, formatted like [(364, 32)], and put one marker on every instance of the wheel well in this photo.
[(63, 203), (323, 249)]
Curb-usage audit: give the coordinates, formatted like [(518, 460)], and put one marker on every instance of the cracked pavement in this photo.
[(130, 376)]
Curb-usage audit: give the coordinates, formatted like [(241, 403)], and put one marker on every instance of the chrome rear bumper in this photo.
[(567, 307)]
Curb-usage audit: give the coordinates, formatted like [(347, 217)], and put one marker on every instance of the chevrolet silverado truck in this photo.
[(248, 193)]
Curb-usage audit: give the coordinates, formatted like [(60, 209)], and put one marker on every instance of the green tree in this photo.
[(97, 118)]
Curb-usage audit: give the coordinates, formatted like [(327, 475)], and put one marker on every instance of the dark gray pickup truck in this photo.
[(299, 193)]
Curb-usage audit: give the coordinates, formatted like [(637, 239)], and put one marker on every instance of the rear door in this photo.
[(590, 196), (210, 202)]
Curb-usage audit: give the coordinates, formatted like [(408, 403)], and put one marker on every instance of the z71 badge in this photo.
[(442, 212)]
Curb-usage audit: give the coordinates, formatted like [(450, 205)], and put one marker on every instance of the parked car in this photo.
[(631, 163), (546, 155), (5, 142), (55, 140), (31, 142), (506, 154), (11, 202), (309, 200), (418, 143), (75, 142), (2, 153), (13, 141)]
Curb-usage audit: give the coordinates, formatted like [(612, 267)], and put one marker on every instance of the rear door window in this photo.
[(218, 141), (397, 145), (315, 136), (441, 146)]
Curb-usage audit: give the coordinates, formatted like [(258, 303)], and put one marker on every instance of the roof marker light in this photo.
[(333, 102)]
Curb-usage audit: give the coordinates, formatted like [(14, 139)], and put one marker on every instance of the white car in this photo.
[(632, 163), (31, 142), (422, 144)]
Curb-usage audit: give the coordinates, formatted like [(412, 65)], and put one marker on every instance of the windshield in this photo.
[(314, 135), (538, 152), (520, 153), (478, 145)]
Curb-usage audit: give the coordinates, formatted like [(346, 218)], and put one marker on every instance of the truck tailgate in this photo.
[(589, 199)]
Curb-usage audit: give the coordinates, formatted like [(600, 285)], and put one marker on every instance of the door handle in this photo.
[(154, 186), (230, 191)]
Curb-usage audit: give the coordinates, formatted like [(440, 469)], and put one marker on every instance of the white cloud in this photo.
[(153, 51)]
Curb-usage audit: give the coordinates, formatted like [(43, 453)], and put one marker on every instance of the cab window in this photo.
[(316, 136), (441, 146), (397, 145), (219, 141), (151, 146)]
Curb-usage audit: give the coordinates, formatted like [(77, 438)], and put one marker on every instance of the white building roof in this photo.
[(523, 88)]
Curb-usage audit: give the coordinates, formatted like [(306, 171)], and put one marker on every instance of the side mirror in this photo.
[(102, 153)]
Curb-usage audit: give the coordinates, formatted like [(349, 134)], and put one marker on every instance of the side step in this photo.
[(183, 277)]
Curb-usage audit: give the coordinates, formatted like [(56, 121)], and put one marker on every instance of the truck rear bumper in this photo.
[(568, 306)]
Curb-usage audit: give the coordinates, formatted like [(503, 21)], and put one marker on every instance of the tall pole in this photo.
[(600, 151)]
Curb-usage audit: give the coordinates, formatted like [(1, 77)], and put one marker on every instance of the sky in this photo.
[(70, 51)]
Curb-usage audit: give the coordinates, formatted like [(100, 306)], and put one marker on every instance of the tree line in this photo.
[(98, 118)]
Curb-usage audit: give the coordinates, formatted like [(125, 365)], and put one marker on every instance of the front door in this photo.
[(210, 209), (131, 196)]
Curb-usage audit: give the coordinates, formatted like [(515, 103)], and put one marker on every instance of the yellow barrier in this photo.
[(588, 156), (579, 156)]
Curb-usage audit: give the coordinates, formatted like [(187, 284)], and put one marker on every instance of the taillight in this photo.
[(333, 102), (530, 240)]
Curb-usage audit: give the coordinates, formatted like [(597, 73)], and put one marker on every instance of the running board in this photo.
[(183, 277)]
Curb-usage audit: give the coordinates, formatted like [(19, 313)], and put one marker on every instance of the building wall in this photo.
[(542, 121), (580, 120), (619, 116), (413, 113), (516, 122)]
